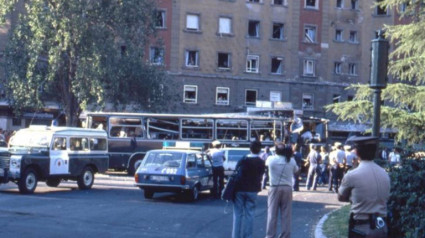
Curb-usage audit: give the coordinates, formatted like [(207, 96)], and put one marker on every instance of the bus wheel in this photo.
[(53, 182), (148, 194), (134, 164), (86, 179), (28, 181)]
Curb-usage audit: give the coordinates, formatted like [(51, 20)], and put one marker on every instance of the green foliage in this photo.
[(407, 200), (72, 52)]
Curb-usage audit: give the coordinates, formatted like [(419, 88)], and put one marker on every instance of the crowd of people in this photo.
[(278, 171)]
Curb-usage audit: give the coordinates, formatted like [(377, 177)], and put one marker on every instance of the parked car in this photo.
[(233, 155), (186, 172), (52, 154)]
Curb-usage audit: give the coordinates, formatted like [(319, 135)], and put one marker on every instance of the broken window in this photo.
[(250, 97), (163, 128), (277, 65), (254, 28), (224, 60), (310, 34), (277, 31)]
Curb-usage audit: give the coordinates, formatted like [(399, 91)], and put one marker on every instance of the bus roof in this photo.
[(60, 130)]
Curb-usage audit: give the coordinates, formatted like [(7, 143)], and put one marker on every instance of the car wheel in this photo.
[(28, 181), (193, 194), (53, 182), (86, 179), (148, 194)]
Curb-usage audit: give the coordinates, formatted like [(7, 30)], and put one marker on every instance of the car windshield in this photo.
[(30, 139), (236, 155), (164, 158)]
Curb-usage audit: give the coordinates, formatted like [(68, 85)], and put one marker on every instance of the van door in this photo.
[(59, 159)]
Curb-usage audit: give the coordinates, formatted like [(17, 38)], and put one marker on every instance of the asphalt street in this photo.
[(115, 208)]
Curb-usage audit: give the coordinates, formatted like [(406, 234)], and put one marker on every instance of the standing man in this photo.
[(314, 169), (251, 169), (217, 158), (298, 160), (350, 158), (367, 188), (282, 168), (394, 157)]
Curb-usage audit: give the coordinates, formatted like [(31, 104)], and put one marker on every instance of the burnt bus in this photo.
[(131, 135), (53, 154)]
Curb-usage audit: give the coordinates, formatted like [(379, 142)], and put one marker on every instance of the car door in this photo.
[(205, 171), (59, 159)]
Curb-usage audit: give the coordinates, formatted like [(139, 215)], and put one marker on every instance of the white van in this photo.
[(233, 155), (50, 154)]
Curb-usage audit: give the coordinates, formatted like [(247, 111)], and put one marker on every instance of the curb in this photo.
[(318, 231)]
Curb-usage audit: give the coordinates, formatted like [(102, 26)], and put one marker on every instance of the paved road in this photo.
[(115, 208)]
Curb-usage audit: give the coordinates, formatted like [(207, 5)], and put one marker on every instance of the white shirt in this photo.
[(394, 157), (349, 157), (280, 171)]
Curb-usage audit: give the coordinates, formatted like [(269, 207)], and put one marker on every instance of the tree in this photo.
[(404, 107), (80, 53)]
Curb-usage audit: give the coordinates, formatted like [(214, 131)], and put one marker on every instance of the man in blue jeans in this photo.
[(248, 185)]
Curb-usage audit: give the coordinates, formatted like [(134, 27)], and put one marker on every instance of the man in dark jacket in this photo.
[(248, 185)]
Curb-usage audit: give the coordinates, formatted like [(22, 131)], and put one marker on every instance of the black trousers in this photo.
[(218, 179)]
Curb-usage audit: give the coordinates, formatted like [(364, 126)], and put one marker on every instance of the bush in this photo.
[(407, 199)]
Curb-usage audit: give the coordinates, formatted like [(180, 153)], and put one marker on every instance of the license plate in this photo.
[(159, 178)]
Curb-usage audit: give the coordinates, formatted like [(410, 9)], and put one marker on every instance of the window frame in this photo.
[(354, 4), (163, 19), (153, 56), (281, 30), (339, 4), (311, 104), (307, 37), (187, 99), (198, 22), (280, 59), (230, 25), (187, 56), (352, 69), (379, 10), (257, 28), (229, 57), (306, 68), (250, 58), (246, 97), (339, 35), (355, 35), (277, 4), (338, 68), (224, 102), (316, 4)]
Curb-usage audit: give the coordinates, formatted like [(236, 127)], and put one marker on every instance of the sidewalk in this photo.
[(310, 209)]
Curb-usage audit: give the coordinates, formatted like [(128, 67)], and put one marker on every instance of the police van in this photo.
[(53, 154)]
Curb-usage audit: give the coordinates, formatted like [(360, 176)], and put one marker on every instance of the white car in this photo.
[(233, 155)]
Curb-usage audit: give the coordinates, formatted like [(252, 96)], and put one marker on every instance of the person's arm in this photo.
[(344, 191)]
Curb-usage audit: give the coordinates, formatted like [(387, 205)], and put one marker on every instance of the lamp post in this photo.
[(378, 77)]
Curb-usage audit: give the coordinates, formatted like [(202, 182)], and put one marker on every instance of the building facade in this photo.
[(227, 55)]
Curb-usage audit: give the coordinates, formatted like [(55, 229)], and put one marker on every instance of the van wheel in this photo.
[(148, 194), (53, 182), (28, 181), (86, 179), (134, 164)]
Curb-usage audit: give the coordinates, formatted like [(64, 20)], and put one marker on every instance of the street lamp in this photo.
[(378, 77)]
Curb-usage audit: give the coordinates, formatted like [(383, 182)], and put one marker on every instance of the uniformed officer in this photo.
[(367, 188)]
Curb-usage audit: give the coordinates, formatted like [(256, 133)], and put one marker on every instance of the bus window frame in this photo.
[(217, 128), (209, 120)]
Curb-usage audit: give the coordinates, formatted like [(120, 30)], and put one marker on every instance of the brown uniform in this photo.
[(368, 189)]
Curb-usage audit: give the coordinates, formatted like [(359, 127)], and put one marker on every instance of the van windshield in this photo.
[(30, 139), (165, 159)]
